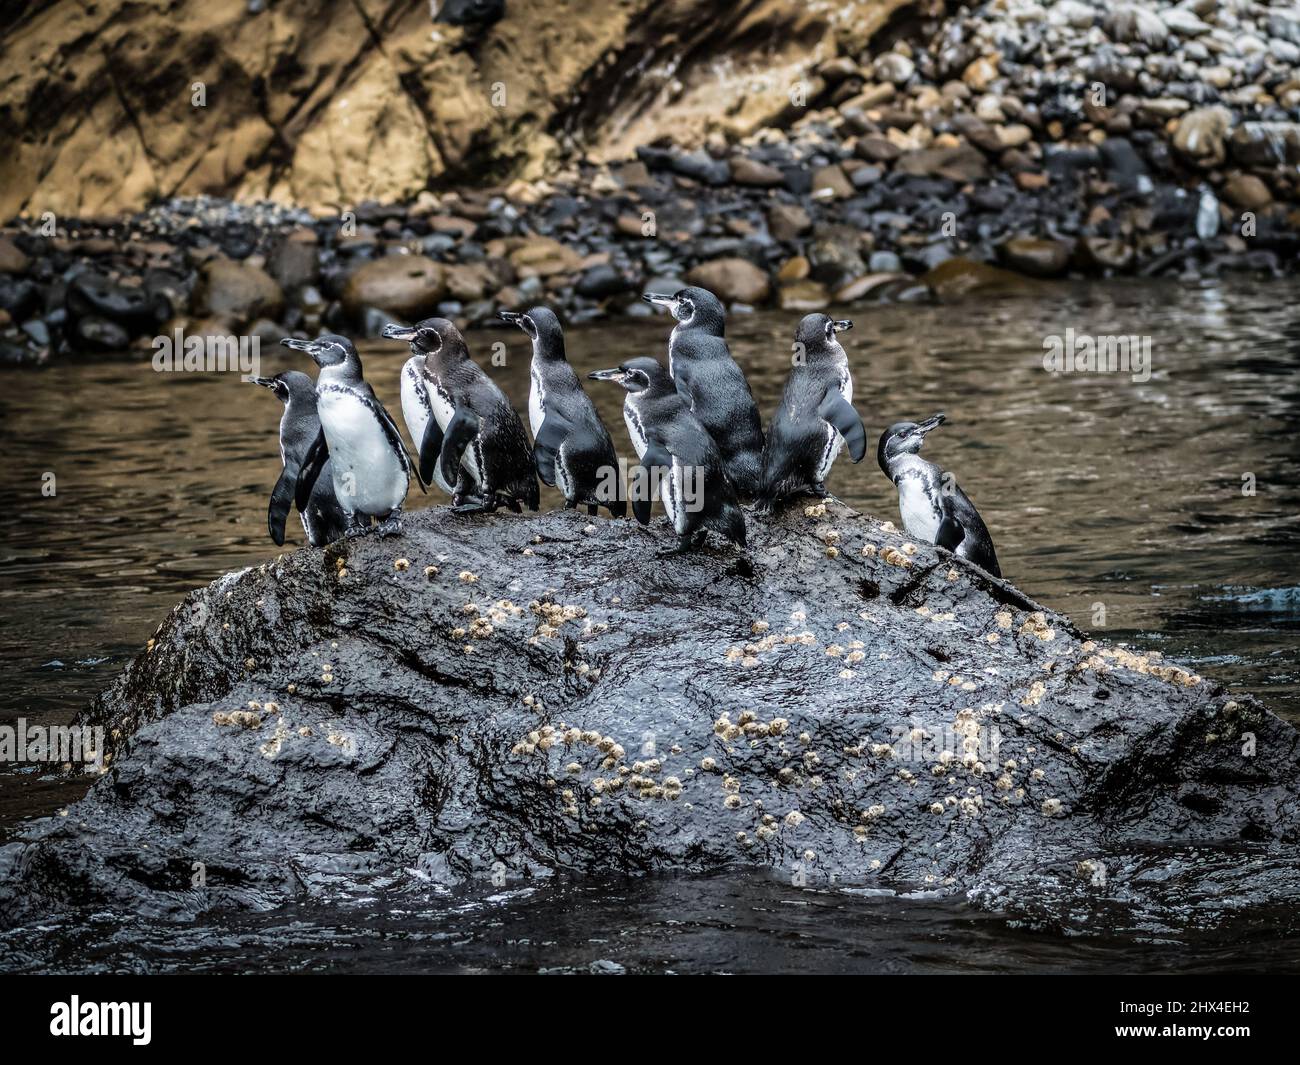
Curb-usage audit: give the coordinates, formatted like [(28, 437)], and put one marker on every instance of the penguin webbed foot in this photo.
[(472, 505), (685, 545), (391, 525), (358, 525)]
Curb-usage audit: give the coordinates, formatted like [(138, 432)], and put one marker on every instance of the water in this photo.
[(1103, 494)]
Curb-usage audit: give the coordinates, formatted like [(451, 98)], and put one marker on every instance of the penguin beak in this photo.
[(309, 346), (393, 331), (841, 325), (616, 374), (660, 300), (512, 317), (931, 424), (265, 382)]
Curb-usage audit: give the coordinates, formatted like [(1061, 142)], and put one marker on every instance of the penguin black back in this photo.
[(932, 506), (572, 447), (816, 416), (323, 520), (679, 453), (701, 365)]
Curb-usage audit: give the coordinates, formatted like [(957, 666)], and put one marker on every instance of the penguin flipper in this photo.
[(282, 497), (655, 456), (314, 461), (462, 428), (950, 534), (551, 435), (839, 412), (430, 449)]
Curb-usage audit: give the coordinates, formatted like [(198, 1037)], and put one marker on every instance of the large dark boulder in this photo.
[(526, 695)]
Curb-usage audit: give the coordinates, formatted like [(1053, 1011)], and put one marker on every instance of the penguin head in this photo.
[(434, 338), (288, 386), (695, 308), (334, 354), (904, 438), (542, 327), (818, 330), (636, 375)]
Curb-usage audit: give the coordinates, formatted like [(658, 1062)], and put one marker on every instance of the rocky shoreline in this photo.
[(975, 151)]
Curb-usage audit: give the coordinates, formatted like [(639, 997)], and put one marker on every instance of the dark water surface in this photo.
[(1102, 494)]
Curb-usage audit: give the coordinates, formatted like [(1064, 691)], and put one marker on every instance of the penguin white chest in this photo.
[(672, 491), (417, 411), (918, 507), (536, 402), (831, 446), (440, 402), (368, 475), (635, 427), (415, 403)]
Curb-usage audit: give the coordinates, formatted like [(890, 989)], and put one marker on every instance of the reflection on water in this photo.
[(1118, 503), (730, 922)]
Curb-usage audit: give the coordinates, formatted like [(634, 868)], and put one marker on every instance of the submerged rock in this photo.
[(510, 698)]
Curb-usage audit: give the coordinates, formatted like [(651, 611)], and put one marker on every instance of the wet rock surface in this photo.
[(517, 697)]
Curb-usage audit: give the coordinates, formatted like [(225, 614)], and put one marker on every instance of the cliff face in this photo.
[(106, 107)]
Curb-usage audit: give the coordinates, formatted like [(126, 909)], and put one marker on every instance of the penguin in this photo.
[(417, 412), (816, 416), (371, 469), (933, 508), (474, 438), (710, 381), (323, 519), (673, 445), (570, 443)]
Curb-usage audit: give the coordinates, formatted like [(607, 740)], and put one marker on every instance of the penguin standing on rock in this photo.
[(474, 439), (570, 442), (323, 519), (674, 447), (933, 508), (715, 387), (816, 416), (370, 468)]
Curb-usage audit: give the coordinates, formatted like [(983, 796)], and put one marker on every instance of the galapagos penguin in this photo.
[(674, 446), (933, 507), (417, 412), (474, 438), (816, 416), (572, 446), (323, 520), (370, 467), (713, 385)]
